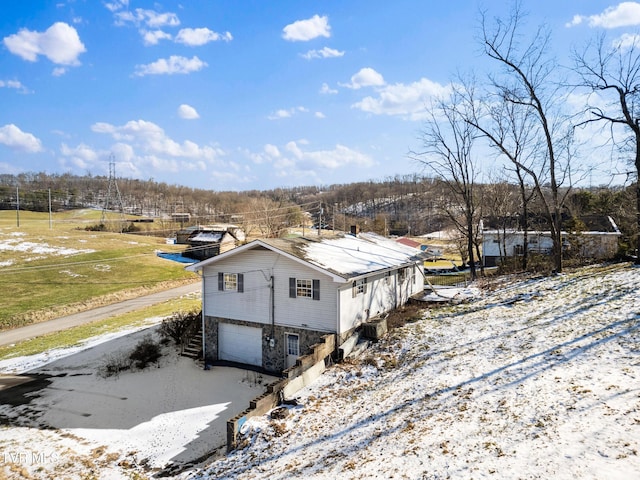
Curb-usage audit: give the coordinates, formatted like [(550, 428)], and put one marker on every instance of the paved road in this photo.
[(30, 331)]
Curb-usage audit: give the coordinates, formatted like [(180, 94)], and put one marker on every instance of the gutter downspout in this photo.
[(339, 306), (273, 311)]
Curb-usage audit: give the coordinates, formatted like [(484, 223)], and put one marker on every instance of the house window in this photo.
[(293, 344), (304, 288), (230, 282), (359, 287), (299, 287), (402, 274)]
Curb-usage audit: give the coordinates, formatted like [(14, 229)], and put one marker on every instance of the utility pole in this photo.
[(320, 220), (50, 221), (18, 206), (334, 217)]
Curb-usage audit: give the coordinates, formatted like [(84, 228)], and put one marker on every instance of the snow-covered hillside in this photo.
[(537, 379)]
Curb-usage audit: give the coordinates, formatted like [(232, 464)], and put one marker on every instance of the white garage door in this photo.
[(238, 343)]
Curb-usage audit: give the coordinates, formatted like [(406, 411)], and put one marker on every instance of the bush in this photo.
[(146, 351), (96, 228), (180, 326), (114, 365)]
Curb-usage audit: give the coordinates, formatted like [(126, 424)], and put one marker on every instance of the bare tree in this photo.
[(525, 87), (512, 131), (613, 72), (448, 139)]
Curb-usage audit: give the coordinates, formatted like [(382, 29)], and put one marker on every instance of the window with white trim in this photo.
[(304, 288), (230, 282), (359, 287)]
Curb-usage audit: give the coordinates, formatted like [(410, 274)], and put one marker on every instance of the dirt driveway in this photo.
[(170, 414)]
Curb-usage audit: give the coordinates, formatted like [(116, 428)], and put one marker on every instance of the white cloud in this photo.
[(81, 156), (200, 36), (58, 71), (625, 14), (272, 150), (282, 113), (152, 139), (319, 115), (279, 114), (326, 52), (576, 20), (116, 5), (150, 18), (60, 43), (326, 90), (305, 30), (16, 139), (174, 64), (403, 100), (15, 84), (627, 41), (269, 154), (299, 160), (366, 77), (187, 112), (152, 37)]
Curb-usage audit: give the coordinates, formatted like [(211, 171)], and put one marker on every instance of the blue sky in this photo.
[(245, 94)]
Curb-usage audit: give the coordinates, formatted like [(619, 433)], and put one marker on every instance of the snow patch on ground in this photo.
[(38, 248)]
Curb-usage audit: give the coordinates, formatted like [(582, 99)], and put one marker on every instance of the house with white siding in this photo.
[(590, 236), (266, 302)]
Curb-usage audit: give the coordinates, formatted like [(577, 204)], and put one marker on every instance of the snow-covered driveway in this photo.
[(76, 421)]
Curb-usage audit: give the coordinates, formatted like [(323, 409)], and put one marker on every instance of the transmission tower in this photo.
[(113, 193)]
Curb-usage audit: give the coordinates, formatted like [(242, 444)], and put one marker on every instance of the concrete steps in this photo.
[(193, 348)]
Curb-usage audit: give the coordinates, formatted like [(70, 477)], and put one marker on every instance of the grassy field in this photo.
[(74, 336), (49, 269)]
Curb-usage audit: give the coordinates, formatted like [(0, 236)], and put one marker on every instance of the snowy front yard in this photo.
[(538, 379)]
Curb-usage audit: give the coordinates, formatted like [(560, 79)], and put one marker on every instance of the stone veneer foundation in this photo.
[(273, 358)]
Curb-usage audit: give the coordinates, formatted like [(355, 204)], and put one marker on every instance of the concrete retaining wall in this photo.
[(305, 371)]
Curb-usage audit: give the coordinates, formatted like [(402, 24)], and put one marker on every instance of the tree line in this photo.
[(410, 205)]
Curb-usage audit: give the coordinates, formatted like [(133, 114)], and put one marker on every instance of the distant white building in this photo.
[(503, 238)]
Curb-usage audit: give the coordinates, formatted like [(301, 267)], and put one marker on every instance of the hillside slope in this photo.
[(537, 379)]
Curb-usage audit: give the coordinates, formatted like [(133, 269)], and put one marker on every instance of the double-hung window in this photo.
[(359, 287), (304, 288), (230, 282)]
